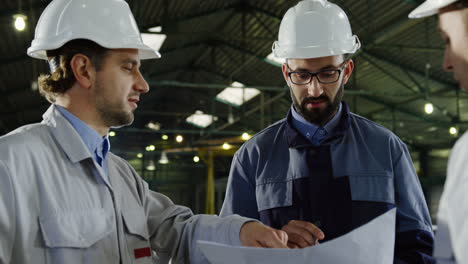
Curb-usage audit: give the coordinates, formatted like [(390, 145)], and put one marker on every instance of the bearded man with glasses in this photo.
[(324, 171)]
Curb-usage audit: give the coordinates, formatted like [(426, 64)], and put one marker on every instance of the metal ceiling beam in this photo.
[(412, 99), (387, 72), (172, 20), (277, 88), (179, 131), (407, 68), (210, 85), (265, 12), (263, 24), (400, 24), (361, 26), (185, 46), (425, 94), (253, 110), (26, 8), (247, 112), (409, 48), (398, 108)]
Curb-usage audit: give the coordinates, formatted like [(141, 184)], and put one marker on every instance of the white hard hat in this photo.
[(109, 23), (429, 8), (313, 29)]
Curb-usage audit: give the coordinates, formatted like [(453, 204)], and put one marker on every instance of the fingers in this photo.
[(256, 234), (296, 234), (275, 239), (311, 228), (299, 240), (292, 245), (254, 243), (303, 234)]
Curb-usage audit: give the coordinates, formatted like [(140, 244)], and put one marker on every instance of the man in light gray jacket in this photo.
[(64, 198), (451, 242)]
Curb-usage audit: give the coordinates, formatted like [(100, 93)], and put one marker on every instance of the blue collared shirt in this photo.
[(97, 145), (312, 132)]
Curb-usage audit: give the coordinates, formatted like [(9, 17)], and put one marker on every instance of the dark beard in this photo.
[(319, 116)]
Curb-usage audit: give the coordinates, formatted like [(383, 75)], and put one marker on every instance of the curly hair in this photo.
[(61, 77)]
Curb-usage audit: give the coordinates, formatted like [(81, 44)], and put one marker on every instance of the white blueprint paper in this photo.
[(369, 244)]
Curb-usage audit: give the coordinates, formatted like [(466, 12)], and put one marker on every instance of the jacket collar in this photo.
[(67, 137)]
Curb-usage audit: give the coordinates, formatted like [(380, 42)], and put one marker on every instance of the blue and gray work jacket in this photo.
[(358, 172)]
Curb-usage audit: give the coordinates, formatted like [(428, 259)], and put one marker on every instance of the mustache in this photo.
[(311, 99)]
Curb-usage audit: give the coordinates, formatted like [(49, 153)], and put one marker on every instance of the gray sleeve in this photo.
[(174, 229), (7, 215), (412, 209)]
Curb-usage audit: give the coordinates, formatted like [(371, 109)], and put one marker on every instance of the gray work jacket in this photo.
[(56, 206)]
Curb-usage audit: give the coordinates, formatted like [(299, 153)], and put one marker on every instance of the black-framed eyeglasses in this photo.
[(325, 76)]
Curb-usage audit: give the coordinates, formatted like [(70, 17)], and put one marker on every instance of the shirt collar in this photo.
[(296, 139), (307, 128), (93, 141)]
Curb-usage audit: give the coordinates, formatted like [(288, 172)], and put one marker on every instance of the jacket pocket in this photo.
[(74, 235), (372, 187), (80, 229), (274, 194), (137, 235)]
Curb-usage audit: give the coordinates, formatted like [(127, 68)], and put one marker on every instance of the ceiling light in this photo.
[(164, 137), (179, 138), (226, 146), (112, 134), (153, 125), (200, 119), (150, 148), (163, 159), (140, 155), (20, 22), (196, 159), (237, 94), (453, 130), (34, 86), (151, 166), (428, 108), (245, 136)]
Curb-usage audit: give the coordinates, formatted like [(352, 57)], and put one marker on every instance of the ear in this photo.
[(284, 69), (348, 70), (83, 70)]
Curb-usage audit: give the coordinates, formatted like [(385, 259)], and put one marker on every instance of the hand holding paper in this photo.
[(368, 244), (302, 234), (256, 234)]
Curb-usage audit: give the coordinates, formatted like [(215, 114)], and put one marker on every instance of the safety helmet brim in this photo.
[(349, 46), (145, 52), (429, 8)]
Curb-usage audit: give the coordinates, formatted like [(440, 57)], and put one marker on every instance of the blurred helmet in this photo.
[(429, 8)]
